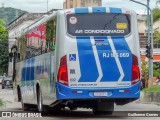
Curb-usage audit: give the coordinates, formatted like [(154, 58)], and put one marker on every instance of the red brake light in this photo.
[(135, 70), (63, 71)]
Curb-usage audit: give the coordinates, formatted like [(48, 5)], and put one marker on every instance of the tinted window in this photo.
[(98, 24)]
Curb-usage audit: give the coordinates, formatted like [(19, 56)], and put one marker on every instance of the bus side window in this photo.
[(51, 35)]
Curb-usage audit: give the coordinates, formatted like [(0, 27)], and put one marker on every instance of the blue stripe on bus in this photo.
[(115, 10), (28, 69), (32, 68), (81, 10), (121, 46), (98, 9), (88, 67), (23, 71), (108, 65)]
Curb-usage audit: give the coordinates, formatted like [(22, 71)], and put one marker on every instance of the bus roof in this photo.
[(38, 22), (97, 9)]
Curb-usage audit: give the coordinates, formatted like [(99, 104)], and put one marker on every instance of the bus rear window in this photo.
[(98, 24)]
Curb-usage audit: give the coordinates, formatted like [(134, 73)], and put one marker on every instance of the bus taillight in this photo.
[(135, 70), (63, 71)]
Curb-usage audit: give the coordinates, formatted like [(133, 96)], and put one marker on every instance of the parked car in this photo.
[(1, 78), (7, 82)]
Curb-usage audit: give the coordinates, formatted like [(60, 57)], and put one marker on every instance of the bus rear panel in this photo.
[(99, 57)]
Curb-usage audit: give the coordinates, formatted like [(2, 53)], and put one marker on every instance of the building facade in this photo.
[(81, 3)]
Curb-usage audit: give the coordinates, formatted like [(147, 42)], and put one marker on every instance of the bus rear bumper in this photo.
[(67, 93)]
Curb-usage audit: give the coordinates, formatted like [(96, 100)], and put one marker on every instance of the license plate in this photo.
[(100, 94)]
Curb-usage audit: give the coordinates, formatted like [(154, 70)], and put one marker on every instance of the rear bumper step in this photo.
[(65, 92)]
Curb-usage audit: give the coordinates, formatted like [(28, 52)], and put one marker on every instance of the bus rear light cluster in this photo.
[(63, 71), (135, 70)]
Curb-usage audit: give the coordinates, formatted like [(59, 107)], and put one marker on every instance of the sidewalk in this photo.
[(150, 98)]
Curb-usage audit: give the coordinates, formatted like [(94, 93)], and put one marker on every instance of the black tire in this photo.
[(39, 101), (25, 107), (2, 87), (40, 107)]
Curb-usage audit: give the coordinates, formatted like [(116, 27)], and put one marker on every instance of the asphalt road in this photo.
[(80, 114)]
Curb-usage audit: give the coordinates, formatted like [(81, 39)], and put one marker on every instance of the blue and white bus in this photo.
[(80, 57)]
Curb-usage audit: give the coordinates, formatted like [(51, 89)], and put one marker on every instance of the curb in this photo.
[(150, 98)]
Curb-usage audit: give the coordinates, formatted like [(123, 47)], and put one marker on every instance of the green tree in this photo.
[(144, 69), (156, 68), (156, 17), (3, 48), (2, 23), (158, 2), (156, 14), (1, 103), (156, 35)]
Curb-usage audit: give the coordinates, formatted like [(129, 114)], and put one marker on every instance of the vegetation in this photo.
[(8, 14), (156, 69), (158, 2), (156, 14), (156, 35), (151, 89), (156, 17), (144, 68), (3, 48), (1, 103)]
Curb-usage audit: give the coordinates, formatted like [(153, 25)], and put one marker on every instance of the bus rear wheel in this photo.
[(25, 107), (40, 107), (39, 101)]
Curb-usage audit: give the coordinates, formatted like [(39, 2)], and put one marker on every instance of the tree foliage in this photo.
[(144, 69), (156, 14), (3, 48), (156, 68), (2, 28), (158, 2), (156, 35), (1, 103), (156, 17)]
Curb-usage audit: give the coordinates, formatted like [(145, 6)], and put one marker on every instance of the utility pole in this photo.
[(151, 64), (150, 43)]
